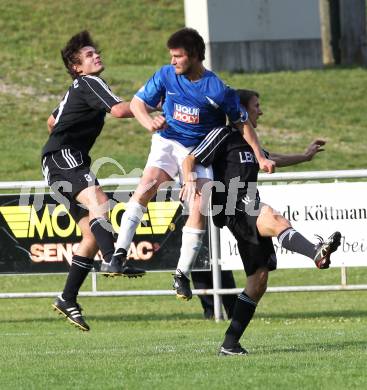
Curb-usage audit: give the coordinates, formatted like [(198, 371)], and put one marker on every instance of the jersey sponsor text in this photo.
[(186, 114)]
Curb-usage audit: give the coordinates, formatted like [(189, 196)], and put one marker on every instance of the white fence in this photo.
[(217, 291)]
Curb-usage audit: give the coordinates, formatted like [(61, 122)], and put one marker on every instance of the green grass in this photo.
[(299, 340), (298, 106)]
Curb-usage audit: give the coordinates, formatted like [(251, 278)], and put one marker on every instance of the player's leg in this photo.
[(229, 301), (160, 167), (193, 232), (152, 178), (66, 182), (75, 184), (194, 229), (257, 284), (82, 263), (203, 280), (271, 224), (96, 201), (243, 312), (258, 257), (192, 239)]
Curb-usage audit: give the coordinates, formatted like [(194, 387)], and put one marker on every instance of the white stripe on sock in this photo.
[(285, 234), (245, 298)]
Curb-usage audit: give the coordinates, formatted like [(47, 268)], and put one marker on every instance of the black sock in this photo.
[(102, 230), (292, 240), (242, 315), (79, 269)]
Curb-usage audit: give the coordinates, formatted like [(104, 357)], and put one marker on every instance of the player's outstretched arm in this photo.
[(122, 110), (284, 160), (251, 138), (141, 113)]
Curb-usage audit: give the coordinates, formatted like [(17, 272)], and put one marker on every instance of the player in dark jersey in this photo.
[(252, 222), (74, 126), (194, 101)]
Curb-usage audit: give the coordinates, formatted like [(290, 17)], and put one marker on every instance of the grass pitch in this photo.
[(298, 340)]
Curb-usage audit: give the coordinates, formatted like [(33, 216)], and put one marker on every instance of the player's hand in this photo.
[(188, 191), (158, 123), (267, 165), (313, 148)]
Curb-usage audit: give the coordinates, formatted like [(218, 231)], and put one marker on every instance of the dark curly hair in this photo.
[(190, 40), (70, 53)]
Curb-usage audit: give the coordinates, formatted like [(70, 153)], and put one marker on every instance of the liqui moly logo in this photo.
[(186, 114)]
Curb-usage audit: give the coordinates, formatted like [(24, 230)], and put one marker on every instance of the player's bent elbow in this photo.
[(50, 123), (136, 105)]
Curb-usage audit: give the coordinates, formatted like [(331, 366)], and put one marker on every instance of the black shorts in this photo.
[(255, 251), (67, 172)]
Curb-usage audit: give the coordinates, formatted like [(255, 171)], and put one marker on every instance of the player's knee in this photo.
[(144, 194), (102, 198), (266, 216), (280, 220), (280, 224), (96, 201), (274, 219)]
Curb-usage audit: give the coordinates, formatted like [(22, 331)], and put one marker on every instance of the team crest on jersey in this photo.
[(186, 114)]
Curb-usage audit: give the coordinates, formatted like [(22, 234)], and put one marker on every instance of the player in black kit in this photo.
[(74, 126), (252, 222)]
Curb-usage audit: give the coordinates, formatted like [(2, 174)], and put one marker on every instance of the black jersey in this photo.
[(235, 165), (79, 118)]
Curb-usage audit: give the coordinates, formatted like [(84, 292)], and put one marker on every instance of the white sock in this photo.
[(192, 239), (129, 223)]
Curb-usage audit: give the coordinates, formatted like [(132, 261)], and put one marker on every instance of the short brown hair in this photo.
[(246, 95), (70, 52), (189, 40)]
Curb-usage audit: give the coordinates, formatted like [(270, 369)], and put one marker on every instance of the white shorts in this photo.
[(168, 155)]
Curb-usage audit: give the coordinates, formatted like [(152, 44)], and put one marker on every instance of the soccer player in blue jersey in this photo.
[(194, 101)]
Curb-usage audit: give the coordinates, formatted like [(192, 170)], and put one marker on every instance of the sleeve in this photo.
[(232, 107), (55, 111), (98, 94), (153, 91), (209, 148)]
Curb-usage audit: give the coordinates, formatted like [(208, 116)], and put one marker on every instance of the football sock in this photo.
[(292, 240), (79, 269), (102, 230), (129, 222), (242, 314), (192, 240)]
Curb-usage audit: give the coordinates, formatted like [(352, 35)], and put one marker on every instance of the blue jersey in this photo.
[(191, 108)]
